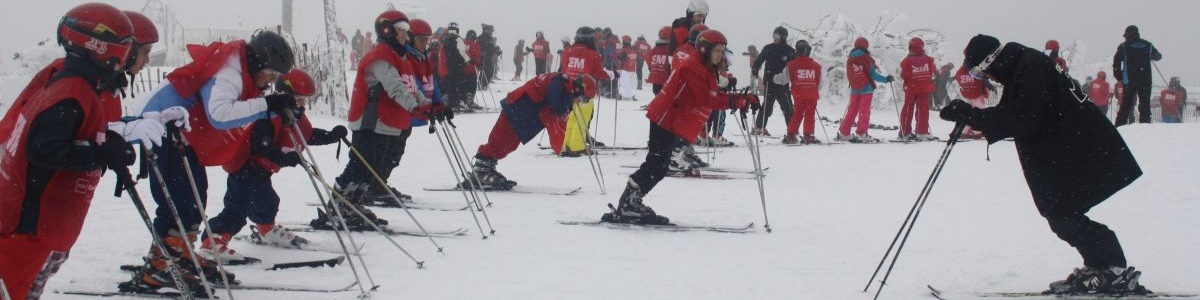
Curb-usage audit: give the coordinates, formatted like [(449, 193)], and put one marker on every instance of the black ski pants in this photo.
[(1095, 242), (169, 158), (775, 93), (658, 158), (540, 66), (1139, 94), (382, 152)]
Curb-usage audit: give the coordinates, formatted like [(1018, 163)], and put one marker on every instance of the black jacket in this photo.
[(1072, 156), (776, 56), (456, 64), (1134, 56)]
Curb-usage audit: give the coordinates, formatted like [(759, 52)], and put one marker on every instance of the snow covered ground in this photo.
[(833, 210)]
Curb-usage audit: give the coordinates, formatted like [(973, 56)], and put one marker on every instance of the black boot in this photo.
[(485, 171), (630, 209)]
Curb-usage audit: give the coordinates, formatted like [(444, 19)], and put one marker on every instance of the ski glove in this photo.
[(891, 79), (278, 103), (148, 132), (286, 159), (957, 111), (781, 78), (176, 114), (339, 132), (725, 83), (116, 153)]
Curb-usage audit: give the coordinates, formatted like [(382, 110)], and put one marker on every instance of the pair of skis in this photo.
[(942, 295), (176, 295)]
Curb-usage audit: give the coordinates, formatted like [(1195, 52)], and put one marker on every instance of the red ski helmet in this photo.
[(1100, 75), (626, 39), (144, 32), (420, 28), (915, 44), (709, 39), (695, 31), (97, 32), (1052, 45), (664, 33), (384, 24), (861, 43), (297, 82)]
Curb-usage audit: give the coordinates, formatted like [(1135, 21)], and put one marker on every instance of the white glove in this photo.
[(148, 131), (178, 114), (781, 78), (722, 82)]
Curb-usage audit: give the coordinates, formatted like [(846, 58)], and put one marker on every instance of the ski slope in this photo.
[(833, 210)]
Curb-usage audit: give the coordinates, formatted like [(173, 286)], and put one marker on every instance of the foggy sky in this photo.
[(1170, 25)]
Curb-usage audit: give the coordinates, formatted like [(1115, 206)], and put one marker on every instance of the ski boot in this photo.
[(844, 138), (157, 272), (810, 140), (906, 137), (690, 154), (864, 139), (761, 132), (1113, 281), (680, 163), (278, 236), (720, 141), (353, 195), (924, 137), (631, 210), (791, 139), (376, 197), (217, 247), (212, 270), (489, 179), (593, 141)]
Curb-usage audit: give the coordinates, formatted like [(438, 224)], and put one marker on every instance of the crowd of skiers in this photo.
[(239, 105)]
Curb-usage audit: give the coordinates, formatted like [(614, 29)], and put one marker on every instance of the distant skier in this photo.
[(519, 53), (1131, 66), (541, 48), (941, 84), (775, 55), (1099, 92), (1072, 158), (678, 112), (541, 103), (251, 193), (659, 61), (804, 74), (916, 70), (643, 52), (697, 13), (1053, 52), (1172, 100), (628, 61), (862, 73)]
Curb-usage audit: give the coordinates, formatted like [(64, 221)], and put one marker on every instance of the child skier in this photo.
[(541, 103), (917, 72), (804, 74), (267, 149), (862, 74)]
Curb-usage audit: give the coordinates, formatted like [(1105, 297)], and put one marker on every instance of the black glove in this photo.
[(278, 103), (616, 76), (290, 159), (891, 79), (447, 114), (732, 82), (957, 111), (338, 132), (116, 153)]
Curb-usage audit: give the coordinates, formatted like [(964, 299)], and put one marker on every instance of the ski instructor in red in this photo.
[(679, 112), (57, 145), (1073, 158)]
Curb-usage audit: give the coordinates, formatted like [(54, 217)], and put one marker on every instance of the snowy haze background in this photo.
[(1098, 24)]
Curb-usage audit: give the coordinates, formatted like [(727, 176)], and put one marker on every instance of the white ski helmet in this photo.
[(698, 7)]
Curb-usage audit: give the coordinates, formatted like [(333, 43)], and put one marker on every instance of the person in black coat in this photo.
[(775, 55), (1131, 65), (1072, 157)]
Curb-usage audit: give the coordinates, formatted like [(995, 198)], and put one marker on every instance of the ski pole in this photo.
[(173, 266), (464, 163), (149, 158), (756, 155), (461, 154), (200, 206), (4, 290), (895, 99), (821, 120), (615, 113), (915, 212), (742, 124), (316, 174), (591, 156), (382, 182), (458, 178)]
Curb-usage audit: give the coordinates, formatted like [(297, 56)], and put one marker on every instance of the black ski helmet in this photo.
[(587, 36), (781, 32), (803, 49), (268, 50)]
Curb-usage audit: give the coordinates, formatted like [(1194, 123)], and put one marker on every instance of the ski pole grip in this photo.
[(958, 130)]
